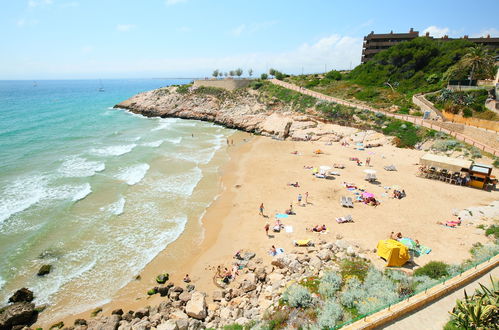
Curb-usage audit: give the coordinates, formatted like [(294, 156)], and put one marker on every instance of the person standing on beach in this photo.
[(267, 227), (299, 199), (306, 197), (261, 209), (368, 161)]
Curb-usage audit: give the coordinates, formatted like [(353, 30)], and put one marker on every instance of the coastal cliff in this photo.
[(243, 109)]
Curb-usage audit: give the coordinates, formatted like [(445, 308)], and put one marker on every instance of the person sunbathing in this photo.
[(451, 223), (319, 229), (294, 152), (308, 167), (296, 185), (349, 185)]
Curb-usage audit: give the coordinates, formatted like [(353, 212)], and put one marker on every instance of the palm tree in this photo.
[(478, 59)]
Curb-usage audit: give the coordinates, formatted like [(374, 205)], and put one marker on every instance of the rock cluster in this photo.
[(255, 290), (243, 110), (21, 312)]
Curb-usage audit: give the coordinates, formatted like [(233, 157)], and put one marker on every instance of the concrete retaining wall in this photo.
[(229, 84)]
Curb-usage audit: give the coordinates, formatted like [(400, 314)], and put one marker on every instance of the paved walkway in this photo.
[(435, 315), (412, 119)]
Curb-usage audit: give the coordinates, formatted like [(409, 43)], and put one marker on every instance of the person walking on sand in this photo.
[(261, 209), (267, 227), (299, 199), (368, 161), (306, 197)]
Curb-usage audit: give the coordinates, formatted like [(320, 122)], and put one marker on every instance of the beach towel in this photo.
[(303, 242), (289, 229), (281, 215), (413, 246)]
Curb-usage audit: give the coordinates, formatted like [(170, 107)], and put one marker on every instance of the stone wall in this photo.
[(229, 84)]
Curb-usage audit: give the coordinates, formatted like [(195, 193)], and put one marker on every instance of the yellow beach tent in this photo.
[(395, 253)]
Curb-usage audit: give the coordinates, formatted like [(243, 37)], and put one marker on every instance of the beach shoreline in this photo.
[(258, 171)]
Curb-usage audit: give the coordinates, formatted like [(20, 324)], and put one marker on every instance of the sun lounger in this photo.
[(334, 173), (349, 202), (343, 201), (303, 242), (390, 168), (347, 218)]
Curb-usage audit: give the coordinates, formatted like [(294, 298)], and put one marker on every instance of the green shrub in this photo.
[(352, 292), (264, 76), (333, 75), (330, 314), (298, 296), (496, 162), (329, 285), (467, 113), (277, 319), (183, 89), (406, 133), (311, 283), (433, 269), (423, 283), (493, 230)]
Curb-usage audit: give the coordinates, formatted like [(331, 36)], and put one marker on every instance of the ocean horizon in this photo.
[(95, 192)]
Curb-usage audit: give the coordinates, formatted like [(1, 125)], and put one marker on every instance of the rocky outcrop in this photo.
[(22, 295), (17, 315), (241, 109), (256, 289)]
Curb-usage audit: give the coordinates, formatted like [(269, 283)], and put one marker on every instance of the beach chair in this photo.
[(349, 202), (343, 201), (345, 219)]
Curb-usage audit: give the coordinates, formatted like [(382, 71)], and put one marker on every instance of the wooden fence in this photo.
[(408, 118), (482, 123)]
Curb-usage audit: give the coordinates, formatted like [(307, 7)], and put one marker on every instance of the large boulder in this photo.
[(196, 307), (22, 295), (105, 323), (44, 270), (18, 314)]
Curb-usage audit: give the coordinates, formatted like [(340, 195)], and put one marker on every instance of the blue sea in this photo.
[(94, 191)]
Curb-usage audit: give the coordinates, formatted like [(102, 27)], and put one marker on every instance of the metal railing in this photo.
[(408, 118)]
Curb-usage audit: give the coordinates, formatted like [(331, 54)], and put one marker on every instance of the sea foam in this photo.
[(115, 208), (21, 194), (153, 144), (113, 150), (82, 192), (164, 123), (78, 167), (133, 174)]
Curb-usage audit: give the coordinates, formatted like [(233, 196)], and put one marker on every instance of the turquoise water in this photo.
[(94, 191)]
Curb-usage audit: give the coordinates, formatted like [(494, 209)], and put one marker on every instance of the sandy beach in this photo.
[(259, 171)]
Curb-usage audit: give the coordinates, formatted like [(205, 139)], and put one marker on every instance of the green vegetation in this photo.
[(469, 103), (214, 91), (162, 278), (96, 312), (184, 89), (354, 268), (477, 63), (496, 162), (415, 66), (478, 311), (298, 296), (433, 269), (406, 133), (493, 230), (297, 101)]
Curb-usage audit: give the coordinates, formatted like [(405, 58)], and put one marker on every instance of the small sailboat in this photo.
[(101, 88)]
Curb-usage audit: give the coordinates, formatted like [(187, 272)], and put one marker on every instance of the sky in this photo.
[(88, 39)]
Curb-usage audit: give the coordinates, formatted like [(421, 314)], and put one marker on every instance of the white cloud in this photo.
[(436, 31), (335, 51), (39, 3), (238, 30), (493, 32), (125, 27), (174, 2)]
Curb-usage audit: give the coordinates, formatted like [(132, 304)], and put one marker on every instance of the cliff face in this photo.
[(242, 109)]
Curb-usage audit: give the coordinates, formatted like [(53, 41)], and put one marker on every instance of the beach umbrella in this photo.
[(370, 171), (367, 195), (325, 168)]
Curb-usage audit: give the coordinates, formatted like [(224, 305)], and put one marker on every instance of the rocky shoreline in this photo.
[(243, 109), (254, 292)]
